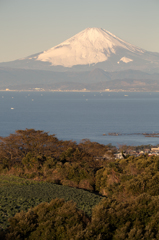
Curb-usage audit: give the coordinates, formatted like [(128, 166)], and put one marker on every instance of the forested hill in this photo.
[(129, 210), (95, 80)]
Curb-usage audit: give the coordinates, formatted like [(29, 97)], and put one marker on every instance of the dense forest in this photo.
[(124, 192)]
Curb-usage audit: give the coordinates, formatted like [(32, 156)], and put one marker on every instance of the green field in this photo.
[(18, 194)]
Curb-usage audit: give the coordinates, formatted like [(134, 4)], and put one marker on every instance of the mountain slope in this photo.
[(92, 48)]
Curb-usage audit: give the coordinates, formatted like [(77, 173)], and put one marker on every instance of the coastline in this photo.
[(84, 91)]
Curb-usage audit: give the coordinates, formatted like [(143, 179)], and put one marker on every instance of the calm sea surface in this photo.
[(76, 116)]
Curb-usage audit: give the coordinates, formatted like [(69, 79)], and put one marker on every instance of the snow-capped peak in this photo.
[(90, 46)]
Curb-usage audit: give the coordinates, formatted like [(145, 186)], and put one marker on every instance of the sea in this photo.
[(83, 115)]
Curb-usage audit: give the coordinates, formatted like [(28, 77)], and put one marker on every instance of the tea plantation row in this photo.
[(19, 194)]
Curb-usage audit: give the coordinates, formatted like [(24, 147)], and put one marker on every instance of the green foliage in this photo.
[(37, 155), (129, 211), (111, 219), (30, 161), (133, 219), (129, 177), (66, 155), (19, 194), (50, 163), (54, 220), (2, 234)]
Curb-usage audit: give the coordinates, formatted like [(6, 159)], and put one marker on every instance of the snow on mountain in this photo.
[(91, 46), (125, 60)]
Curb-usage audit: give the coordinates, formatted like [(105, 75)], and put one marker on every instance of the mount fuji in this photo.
[(92, 48), (93, 60)]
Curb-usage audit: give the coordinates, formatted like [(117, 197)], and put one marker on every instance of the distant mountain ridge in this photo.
[(95, 80)]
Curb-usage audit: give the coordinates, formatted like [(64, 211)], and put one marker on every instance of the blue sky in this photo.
[(32, 26)]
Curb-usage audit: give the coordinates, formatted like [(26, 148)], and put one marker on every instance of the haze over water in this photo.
[(76, 116)]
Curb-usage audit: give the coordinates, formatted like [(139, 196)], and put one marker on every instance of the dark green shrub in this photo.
[(55, 220), (30, 161), (134, 219), (2, 234), (50, 163)]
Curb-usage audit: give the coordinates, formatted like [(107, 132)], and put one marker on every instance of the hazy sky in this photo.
[(32, 26)]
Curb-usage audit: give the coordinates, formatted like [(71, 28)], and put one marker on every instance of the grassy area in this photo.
[(18, 194), (7, 180)]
